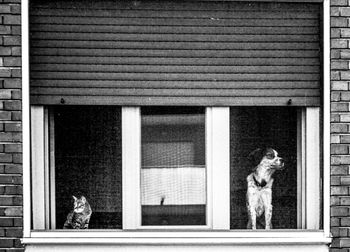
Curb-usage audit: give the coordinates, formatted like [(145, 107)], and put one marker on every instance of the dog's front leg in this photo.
[(252, 216), (267, 200), (252, 200)]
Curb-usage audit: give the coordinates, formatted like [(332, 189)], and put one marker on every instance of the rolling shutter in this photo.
[(175, 53)]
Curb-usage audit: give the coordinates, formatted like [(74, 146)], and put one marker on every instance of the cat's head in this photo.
[(79, 204)]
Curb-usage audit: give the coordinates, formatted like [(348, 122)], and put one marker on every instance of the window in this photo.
[(247, 80), (173, 167), (173, 170)]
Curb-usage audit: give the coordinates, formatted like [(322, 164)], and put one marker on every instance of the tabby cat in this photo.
[(79, 217)]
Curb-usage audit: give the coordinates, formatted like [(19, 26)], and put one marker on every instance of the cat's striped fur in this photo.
[(79, 217)]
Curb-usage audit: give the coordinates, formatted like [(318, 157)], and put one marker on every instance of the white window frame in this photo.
[(31, 236), (217, 169), (217, 155)]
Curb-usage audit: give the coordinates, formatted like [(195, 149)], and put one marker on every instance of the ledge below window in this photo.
[(89, 237)]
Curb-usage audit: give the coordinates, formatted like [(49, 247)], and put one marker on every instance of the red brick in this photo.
[(13, 148), (335, 11), (14, 211), (12, 105), (335, 22), (16, 116), (6, 158), (16, 20), (340, 107), (17, 158), (335, 33), (13, 180), (339, 2), (16, 72), (335, 96), (14, 232), (335, 149), (16, 51), (18, 222), (5, 115), (335, 118), (335, 127), (16, 30), (335, 64), (14, 61), (339, 170), (336, 76), (13, 83), (16, 94), (345, 200), (339, 211), (6, 243), (15, 9), (344, 242), (335, 222), (339, 190), (12, 40), (345, 11), (6, 222), (5, 8), (335, 180), (10, 137), (13, 127), (5, 94)]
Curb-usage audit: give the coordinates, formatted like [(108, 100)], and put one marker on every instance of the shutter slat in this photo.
[(173, 45), (205, 53), (173, 29), (175, 84), (175, 21), (171, 76), (179, 53), (172, 69), (175, 92), (176, 5), (174, 37), (81, 60), (130, 13)]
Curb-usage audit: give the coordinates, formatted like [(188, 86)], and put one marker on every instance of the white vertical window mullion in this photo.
[(46, 167), (52, 177), (218, 124), (301, 169), (131, 156), (209, 165), (312, 168), (38, 166)]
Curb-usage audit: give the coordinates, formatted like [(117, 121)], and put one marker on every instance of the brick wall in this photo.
[(10, 126), (340, 127)]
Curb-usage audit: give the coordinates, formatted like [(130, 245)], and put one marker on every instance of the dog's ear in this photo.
[(255, 157)]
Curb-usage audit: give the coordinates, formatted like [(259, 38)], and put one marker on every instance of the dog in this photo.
[(259, 183)]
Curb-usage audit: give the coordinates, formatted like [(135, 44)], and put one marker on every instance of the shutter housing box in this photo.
[(175, 53)]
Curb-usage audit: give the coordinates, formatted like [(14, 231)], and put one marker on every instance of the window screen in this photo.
[(173, 172), (88, 163), (261, 127)]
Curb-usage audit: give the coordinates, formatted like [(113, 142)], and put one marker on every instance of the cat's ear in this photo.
[(83, 199), (75, 198)]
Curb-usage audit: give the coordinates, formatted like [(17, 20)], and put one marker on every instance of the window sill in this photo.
[(90, 237)]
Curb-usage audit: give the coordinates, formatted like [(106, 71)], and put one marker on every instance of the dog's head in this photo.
[(267, 157)]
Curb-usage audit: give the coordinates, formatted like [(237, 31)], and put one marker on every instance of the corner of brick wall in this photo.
[(11, 221), (340, 125)]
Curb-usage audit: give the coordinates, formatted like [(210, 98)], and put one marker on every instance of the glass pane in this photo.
[(173, 173), (88, 163), (260, 127)]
